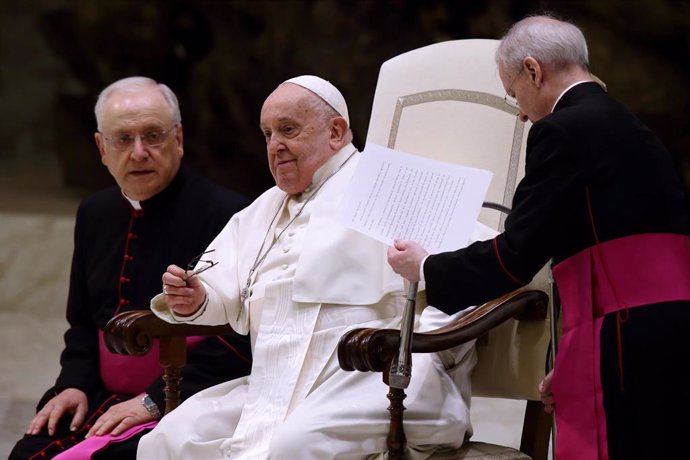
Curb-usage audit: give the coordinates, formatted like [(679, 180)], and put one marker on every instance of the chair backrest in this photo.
[(446, 102)]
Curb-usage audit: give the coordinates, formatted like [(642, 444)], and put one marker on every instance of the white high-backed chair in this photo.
[(446, 102)]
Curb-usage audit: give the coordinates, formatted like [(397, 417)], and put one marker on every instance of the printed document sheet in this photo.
[(398, 195)]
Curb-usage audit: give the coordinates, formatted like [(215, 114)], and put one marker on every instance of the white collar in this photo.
[(135, 204), (565, 91), (326, 169)]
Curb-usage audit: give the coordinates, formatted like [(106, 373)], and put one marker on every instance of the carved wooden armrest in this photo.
[(373, 349), (132, 333), (369, 349)]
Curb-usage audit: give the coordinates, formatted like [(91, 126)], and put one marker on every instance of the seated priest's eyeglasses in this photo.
[(203, 264), (151, 138)]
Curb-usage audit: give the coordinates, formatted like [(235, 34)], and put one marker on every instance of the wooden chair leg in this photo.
[(396, 440), (173, 357), (536, 431)]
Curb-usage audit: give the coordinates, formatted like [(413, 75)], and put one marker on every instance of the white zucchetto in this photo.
[(325, 90)]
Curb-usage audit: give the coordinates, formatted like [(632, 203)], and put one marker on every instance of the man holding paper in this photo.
[(295, 278), (601, 198)]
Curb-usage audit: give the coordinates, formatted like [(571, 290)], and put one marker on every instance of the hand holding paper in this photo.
[(405, 257)]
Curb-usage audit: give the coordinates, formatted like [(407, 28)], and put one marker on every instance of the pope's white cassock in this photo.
[(318, 280)]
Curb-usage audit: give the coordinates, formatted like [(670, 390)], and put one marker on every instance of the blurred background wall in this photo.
[(223, 57)]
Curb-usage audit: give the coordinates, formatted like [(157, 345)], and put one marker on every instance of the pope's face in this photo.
[(297, 137), (141, 170)]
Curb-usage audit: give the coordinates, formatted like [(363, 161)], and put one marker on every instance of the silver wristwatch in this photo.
[(151, 407)]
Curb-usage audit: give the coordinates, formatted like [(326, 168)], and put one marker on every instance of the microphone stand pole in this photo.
[(401, 367)]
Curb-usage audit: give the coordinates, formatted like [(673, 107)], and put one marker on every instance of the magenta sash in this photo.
[(123, 374), (619, 274), (128, 374), (88, 447), (133, 374)]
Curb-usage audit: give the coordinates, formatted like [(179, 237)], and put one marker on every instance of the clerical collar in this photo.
[(167, 195), (565, 91), (135, 204), (326, 170)]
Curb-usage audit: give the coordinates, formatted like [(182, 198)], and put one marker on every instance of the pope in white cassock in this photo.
[(296, 280)]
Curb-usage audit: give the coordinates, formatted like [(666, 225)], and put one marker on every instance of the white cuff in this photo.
[(421, 269), (191, 317)]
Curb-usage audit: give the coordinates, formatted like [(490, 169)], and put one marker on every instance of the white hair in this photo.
[(551, 42), (325, 113), (132, 83)]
